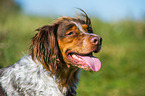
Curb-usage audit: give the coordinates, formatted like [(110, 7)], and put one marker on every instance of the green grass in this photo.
[(122, 54)]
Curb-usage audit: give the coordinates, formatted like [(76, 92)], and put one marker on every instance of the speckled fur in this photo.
[(26, 78)]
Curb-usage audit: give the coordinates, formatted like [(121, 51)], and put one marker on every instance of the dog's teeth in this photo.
[(79, 59), (76, 57)]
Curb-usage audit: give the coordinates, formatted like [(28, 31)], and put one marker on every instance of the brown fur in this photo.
[(50, 44)]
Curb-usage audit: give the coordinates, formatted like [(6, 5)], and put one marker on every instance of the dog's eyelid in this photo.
[(71, 33)]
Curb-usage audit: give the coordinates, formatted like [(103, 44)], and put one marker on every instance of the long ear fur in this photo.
[(44, 48)]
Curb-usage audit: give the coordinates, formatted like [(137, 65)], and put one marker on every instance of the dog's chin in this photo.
[(85, 61)]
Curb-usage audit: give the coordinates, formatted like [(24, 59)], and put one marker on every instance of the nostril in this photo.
[(94, 40)]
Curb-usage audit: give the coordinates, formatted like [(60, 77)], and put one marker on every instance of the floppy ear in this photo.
[(45, 49)]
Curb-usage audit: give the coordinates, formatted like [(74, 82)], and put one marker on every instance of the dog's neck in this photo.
[(68, 78)]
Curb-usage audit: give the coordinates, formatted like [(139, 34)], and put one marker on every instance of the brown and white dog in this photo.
[(57, 53)]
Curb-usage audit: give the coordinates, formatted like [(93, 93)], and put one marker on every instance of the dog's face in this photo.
[(67, 43), (77, 43)]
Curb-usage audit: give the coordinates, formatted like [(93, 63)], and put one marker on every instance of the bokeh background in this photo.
[(121, 23)]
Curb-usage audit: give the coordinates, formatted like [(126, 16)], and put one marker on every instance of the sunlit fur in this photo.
[(27, 78), (46, 70)]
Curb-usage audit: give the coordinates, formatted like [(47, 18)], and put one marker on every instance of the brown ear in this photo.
[(44, 47)]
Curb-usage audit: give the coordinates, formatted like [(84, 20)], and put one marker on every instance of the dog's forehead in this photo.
[(67, 24), (79, 26)]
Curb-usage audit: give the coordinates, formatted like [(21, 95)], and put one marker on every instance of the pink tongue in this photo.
[(94, 63)]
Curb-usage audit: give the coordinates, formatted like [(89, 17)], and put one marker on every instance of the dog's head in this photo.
[(69, 42)]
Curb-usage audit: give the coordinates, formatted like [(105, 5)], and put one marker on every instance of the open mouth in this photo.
[(85, 61)]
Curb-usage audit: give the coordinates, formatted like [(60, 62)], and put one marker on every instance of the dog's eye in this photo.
[(90, 30), (71, 33)]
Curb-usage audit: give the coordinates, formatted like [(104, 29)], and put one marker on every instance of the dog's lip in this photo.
[(82, 54), (84, 60)]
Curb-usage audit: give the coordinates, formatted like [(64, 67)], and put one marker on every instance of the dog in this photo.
[(57, 53)]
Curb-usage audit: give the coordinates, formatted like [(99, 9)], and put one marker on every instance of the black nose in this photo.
[(96, 40), (100, 40)]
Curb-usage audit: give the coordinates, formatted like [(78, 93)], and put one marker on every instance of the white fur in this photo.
[(27, 78)]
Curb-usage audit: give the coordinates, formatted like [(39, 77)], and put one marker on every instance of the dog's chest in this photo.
[(26, 78)]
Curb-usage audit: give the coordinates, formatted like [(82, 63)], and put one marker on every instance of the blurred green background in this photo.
[(122, 54)]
